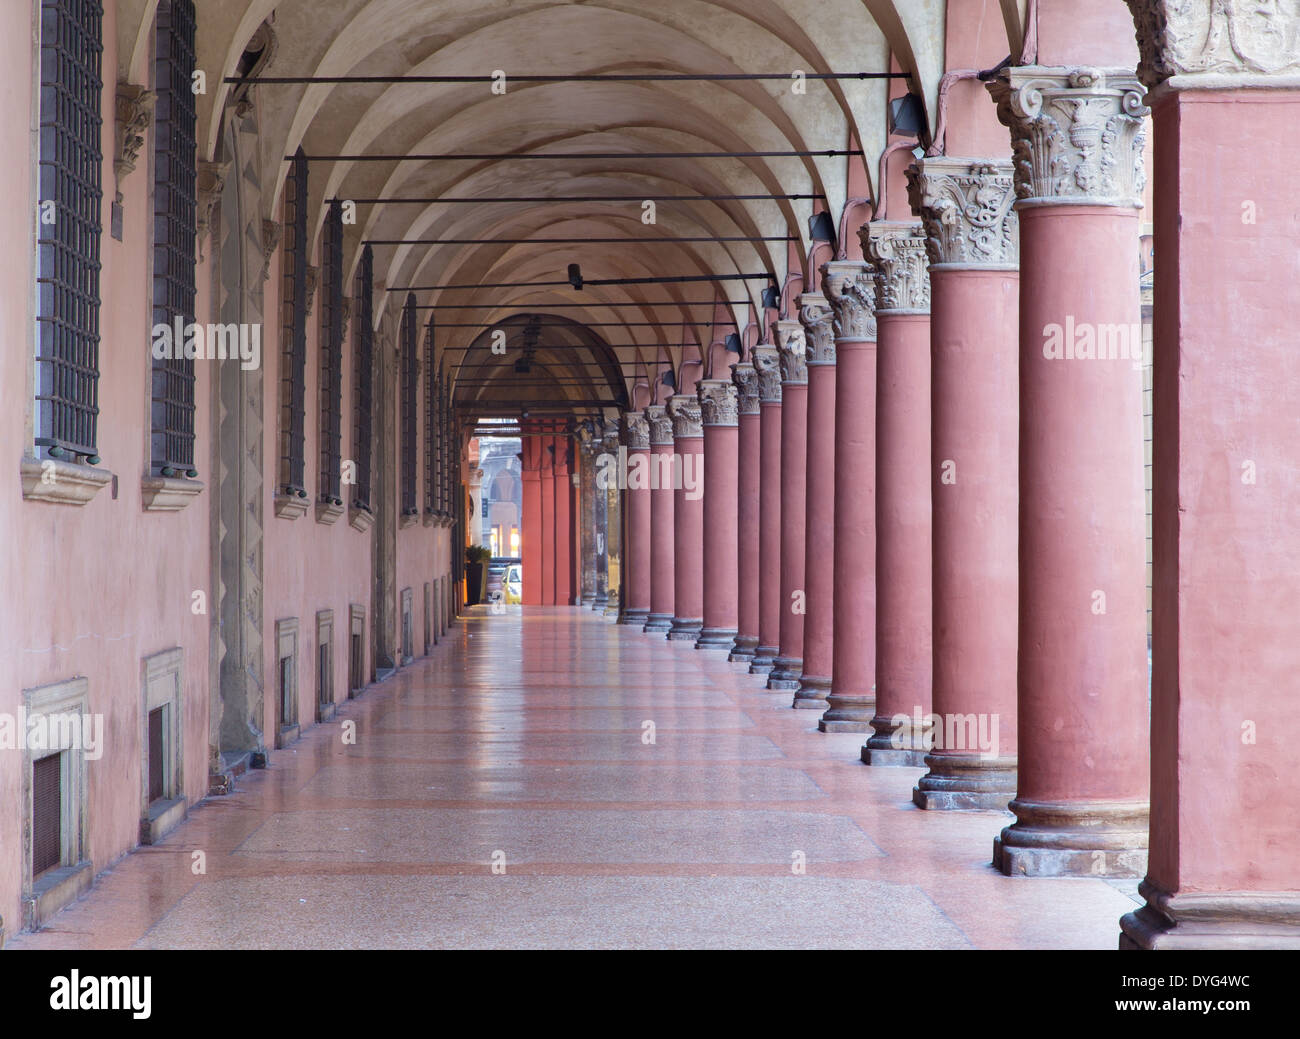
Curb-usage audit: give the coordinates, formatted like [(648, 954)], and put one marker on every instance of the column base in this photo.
[(764, 660), (785, 674), (1074, 839), (848, 712), (685, 628), (637, 617), (966, 783), (1216, 920), (744, 648), (657, 622), (897, 741), (599, 603), (716, 638), (812, 693), (611, 608)]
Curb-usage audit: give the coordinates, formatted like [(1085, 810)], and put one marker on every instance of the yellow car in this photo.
[(512, 585)]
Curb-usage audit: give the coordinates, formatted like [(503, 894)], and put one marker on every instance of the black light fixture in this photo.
[(733, 343), (669, 379), (575, 276), (771, 298), (822, 229), (906, 116)]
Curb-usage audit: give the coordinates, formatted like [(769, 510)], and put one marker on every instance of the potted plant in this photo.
[(476, 573)]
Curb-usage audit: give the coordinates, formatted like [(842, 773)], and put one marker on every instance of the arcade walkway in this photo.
[(523, 734)]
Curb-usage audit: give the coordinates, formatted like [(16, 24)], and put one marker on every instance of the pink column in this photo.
[(749, 467), (663, 545), (788, 664), (966, 205), (819, 505), (615, 577), (767, 363), (851, 289), (547, 572), (1081, 800), (532, 530), (688, 518), (904, 664), (636, 550), (1224, 870), (563, 524), (718, 410)]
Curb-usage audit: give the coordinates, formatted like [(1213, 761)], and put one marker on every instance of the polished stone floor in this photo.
[(549, 779)]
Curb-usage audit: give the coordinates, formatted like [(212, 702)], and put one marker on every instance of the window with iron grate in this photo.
[(331, 361), (175, 207), (363, 343), (293, 362), (47, 813), (430, 424), (410, 376), (67, 268)]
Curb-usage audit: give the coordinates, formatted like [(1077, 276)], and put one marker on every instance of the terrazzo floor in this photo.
[(549, 779)]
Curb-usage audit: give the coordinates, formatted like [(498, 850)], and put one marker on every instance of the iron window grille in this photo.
[(410, 376), (293, 363), (331, 361), (363, 339), (430, 423), (175, 207), (69, 179)]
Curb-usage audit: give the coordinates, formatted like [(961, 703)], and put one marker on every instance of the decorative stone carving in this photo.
[(850, 287), (793, 347), (767, 362), (902, 272), (718, 402), (135, 105), (967, 210), (819, 328), (684, 410), (636, 431), (345, 313), (745, 376), (661, 426), (1076, 134), (271, 234), (1226, 39), (313, 279), (210, 182), (610, 441)]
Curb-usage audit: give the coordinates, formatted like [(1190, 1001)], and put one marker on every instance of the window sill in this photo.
[(54, 890), (361, 520), (163, 817), (168, 494), (409, 520), (290, 506), (61, 483), (327, 512)]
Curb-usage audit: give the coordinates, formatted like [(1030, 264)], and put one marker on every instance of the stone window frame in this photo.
[(356, 626), (325, 709), (162, 685), (406, 618), (286, 646)]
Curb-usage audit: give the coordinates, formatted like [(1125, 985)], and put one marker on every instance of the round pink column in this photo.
[(636, 496), (788, 665), (688, 519), (1081, 800), (904, 662), (975, 394), (768, 364), (718, 403), (663, 545), (850, 288), (819, 505), (748, 467)]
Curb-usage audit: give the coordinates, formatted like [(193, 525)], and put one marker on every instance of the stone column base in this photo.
[(966, 782), (685, 628), (599, 603), (658, 622), (785, 674), (637, 617), (716, 638), (1074, 839), (897, 742), (744, 648), (812, 693), (1212, 920), (764, 660), (848, 713)]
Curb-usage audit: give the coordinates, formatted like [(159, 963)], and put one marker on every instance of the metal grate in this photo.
[(67, 344), (363, 353), (324, 674), (442, 447), (157, 773), (47, 813), (430, 424), (331, 361), (172, 413), (410, 375), (293, 363), (356, 661)]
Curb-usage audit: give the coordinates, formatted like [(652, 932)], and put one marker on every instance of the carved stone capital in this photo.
[(636, 431), (718, 402), (345, 313), (272, 232), (1218, 43), (818, 322), (1076, 134), (135, 106), (209, 183), (902, 270), (850, 287), (661, 426), (313, 279), (745, 376), (966, 207), (767, 362), (792, 343), (684, 410)]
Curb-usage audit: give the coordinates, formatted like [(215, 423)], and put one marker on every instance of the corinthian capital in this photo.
[(767, 362), (965, 206), (684, 410), (897, 252), (1076, 134), (636, 431), (135, 108), (745, 376), (851, 291), (819, 328), (718, 400), (1227, 42), (661, 426), (793, 347)]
